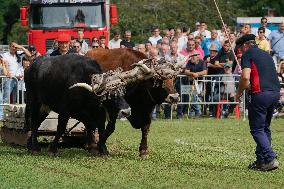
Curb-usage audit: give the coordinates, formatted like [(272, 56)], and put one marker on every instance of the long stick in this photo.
[(226, 32)]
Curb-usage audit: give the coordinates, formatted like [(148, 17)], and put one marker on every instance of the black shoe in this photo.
[(272, 165), (255, 165)]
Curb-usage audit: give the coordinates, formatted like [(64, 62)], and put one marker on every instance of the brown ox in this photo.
[(142, 97)]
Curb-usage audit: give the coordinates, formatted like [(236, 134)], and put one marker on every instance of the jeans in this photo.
[(194, 108), (260, 111), (10, 88)]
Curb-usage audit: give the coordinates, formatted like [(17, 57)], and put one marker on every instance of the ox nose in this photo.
[(173, 98), (125, 112)]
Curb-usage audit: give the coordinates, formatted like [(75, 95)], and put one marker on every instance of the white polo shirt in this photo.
[(13, 65)]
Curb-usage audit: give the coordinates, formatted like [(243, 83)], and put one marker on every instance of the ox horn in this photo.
[(85, 86), (144, 68)]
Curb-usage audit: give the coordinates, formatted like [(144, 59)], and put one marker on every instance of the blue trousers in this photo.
[(260, 113)]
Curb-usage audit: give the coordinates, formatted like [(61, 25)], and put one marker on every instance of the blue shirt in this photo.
[(277, 47), (206, 43)]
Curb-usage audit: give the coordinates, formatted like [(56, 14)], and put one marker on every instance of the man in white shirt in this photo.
[(202, 32), (13, 63), (156, 36), (115, 42), (84, 44)]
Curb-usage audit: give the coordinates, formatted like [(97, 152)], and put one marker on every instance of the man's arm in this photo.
[(244, 82)]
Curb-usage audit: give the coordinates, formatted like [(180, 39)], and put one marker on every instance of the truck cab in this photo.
[(46, 19)]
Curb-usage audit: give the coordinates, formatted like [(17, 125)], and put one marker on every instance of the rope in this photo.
[(220, 15)]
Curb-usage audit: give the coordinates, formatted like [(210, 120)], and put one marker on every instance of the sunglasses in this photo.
[(77, 47), (260, 32), (95, 47)]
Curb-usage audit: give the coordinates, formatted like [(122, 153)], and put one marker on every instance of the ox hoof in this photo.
[(35, 152), (94, 151), (144, 154), (52, 151)]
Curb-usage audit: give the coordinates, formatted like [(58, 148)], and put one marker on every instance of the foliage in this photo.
[(196, 153)]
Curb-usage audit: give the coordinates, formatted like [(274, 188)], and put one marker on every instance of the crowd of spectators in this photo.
[(204, 51)]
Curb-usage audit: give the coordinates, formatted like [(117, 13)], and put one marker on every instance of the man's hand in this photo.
[(238, 96), (194, 75)]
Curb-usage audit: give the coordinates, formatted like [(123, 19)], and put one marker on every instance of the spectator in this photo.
[(232, 38), (72, 42), (166, 41), (172, 33), (222, 34), (148, 46), (155, 36), (167, 33), (63, 45), (276, 38), (206, 43), (261, 40), (83, 43), (78, 47), (127, 43), (247, 29), (3, 72), (165, 52), (212, 69), (191, 37), (102, 42), (198, 48), (195, 68), (115, 42), (225, 55), (13, 64), (181, 39), (34, 53), (190, 49), (53, 48), (227, 91), (141, 48), (154, 54), (281, 71), (202, 32), (264, 24), (95, 45)]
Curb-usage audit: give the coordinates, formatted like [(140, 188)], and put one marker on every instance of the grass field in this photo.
[(198, 153)]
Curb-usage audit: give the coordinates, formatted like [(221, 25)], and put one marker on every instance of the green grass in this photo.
[(198, 153)]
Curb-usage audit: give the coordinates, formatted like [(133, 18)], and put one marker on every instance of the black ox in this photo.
[(48, 82)]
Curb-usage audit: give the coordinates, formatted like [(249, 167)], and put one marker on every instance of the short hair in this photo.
[(72, 38), (127, 31), (116, 32), (226, 42), (155, 27), (261, 29), (263, 18), (102, 37), (148, 42), (202, 22)]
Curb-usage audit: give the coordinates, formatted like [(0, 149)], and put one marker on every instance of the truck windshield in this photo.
[(63, 16)]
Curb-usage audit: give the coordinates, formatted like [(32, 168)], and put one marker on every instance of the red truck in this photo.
[(47, 19)]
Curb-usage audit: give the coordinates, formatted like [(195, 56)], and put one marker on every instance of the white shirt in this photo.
[(206, 33), (13, 66), (182, 42), (85, 47), (114, 44), (154, 39)]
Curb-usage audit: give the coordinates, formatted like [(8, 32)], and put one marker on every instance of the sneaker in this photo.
[(255, 165), (272, 165)]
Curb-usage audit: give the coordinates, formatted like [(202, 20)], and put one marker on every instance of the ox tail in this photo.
[(85, 86)]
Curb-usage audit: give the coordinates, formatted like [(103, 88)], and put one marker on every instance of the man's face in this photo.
[(63, 46), (148, 46), (226, 47), (261, 33), (174, 48), (80, 35), (263, 22), (214, 34), (102, 41), (128, 36), (281, 27), (232, 37), (77, 47), (156, 32), (190, 45), (13, 48), (72, 42), (116, 37), (195, 59), (213, 53), (203, 26), (141, 48), (197, 42)]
